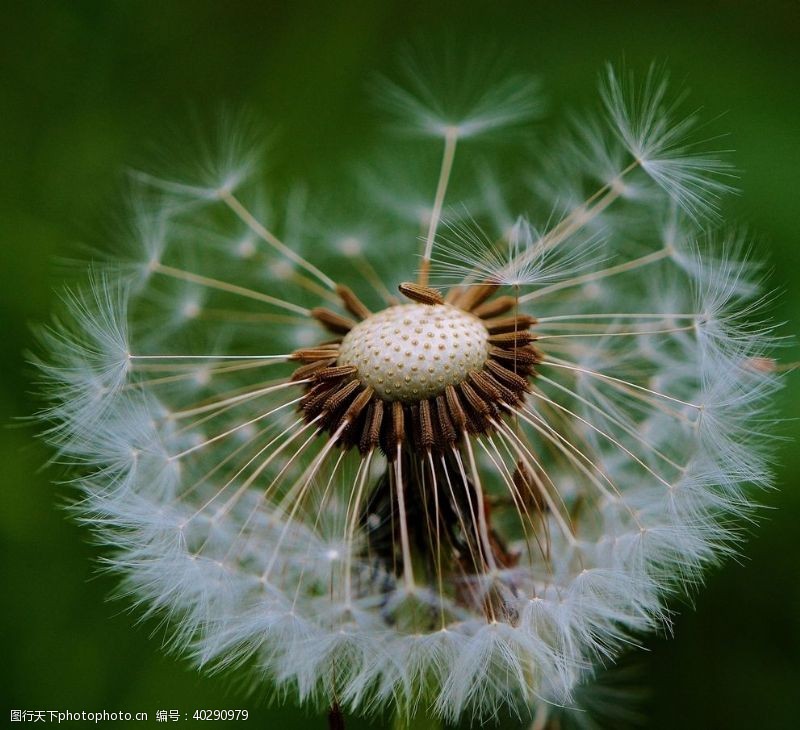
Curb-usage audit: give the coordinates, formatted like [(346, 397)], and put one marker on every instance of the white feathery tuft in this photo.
[(657, 135), (442, 94)]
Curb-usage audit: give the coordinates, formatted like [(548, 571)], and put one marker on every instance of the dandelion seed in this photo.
[(462, 498), (657, 137)]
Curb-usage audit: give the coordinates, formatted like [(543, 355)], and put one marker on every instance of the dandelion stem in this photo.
[(538, 394), (234, 429), (450, 139), (367, 270), (558, 363), (615, 315), (650, 258), (351, 520), (483, 528), (576, 219), (227, 287), (268, 237), (408, 568), (667, 330), (525, 520), (607, 413), (235, 315), (526, 456), (248, 395), (474, 548), (210, 357)]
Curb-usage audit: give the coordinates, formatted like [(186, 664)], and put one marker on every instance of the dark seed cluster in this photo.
[(341, 402)]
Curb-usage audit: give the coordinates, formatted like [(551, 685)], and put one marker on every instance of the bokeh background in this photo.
[(87, 86)]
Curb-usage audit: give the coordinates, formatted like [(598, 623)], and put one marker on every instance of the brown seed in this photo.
[(447, 432), (352, 303), (478, 411), (314, 400), (454, 406), (476, 402), (312, 354), (485, 385), (504, 375), (337, 323), (398, 422), (419, 293), (339, 371), (452, 296), (340, 395), (476, 295), (308, 370), (509, 395), (512, 339), (359, 404), (526, 355), (513, 323), (371, 434), (426, 424), (495, 307)]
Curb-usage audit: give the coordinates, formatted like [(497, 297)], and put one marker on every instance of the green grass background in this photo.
[(87, 86)]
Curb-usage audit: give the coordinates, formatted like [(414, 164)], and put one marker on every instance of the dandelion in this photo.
[(455, 482)]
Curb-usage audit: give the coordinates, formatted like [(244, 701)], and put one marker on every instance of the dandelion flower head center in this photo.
[(426, 372), (410, 352)]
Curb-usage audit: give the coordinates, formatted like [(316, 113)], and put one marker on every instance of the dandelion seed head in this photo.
[(465, 491)]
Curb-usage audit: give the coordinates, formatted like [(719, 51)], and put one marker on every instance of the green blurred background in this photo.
[(87, 86)]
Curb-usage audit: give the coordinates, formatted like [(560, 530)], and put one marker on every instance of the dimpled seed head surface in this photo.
[(411, 352)]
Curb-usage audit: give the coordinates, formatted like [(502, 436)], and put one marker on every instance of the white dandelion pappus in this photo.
[(465, 254), (457, 502)]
